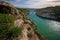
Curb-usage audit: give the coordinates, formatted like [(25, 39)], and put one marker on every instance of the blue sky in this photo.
[(33, 3)]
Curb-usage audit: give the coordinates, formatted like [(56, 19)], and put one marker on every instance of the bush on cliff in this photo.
[(7, 29)]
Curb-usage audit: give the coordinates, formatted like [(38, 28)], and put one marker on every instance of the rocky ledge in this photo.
[(29, 31)]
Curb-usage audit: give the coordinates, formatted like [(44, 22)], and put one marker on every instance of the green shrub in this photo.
[(16, 31), (5, 18), (3, 30), (7, 29)]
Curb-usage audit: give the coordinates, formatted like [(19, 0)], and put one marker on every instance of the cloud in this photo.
[(42, 3), (33, 3), (36, 3), (54, 0), (2, 0)]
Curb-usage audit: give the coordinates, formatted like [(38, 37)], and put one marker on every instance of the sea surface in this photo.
[(48, 28)]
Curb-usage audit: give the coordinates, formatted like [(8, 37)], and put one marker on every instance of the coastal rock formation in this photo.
[(29, 31), (8, 8), (51, 13)]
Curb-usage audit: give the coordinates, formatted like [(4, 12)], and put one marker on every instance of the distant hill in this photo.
[(49, 13)]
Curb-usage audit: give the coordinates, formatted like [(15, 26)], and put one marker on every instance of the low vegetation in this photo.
[(7, 29)]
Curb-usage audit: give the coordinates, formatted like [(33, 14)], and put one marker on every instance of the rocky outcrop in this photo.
[(8, 8), (29, 28)]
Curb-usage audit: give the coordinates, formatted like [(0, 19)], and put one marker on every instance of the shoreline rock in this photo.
[(53, 19), (50, 13)]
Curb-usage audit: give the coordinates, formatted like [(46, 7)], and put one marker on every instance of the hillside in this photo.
[(15, 25), (52, 13)]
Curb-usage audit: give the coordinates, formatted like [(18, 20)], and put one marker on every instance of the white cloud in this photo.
[(2, 0), (41, 3), (34, 3), (53, 0)]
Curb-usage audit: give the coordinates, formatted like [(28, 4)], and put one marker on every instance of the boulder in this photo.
[(7, 8)]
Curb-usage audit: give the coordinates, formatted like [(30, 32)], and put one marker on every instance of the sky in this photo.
[(33, 3)]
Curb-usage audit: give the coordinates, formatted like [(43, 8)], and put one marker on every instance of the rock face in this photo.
[(7, 8), (51, 13), (29, 31)]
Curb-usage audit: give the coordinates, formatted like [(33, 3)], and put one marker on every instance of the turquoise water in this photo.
[(48, 28)]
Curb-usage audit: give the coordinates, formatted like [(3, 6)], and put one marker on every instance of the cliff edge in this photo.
[(19, 27)]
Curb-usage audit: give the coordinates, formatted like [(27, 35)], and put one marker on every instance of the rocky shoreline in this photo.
[(48, 18), (50, 13)]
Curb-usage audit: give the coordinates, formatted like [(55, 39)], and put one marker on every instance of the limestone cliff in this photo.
[(51, 13), (29, 31)]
